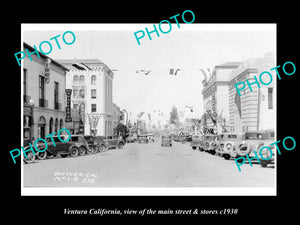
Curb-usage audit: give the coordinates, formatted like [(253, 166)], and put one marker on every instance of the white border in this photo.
[(143, 191)]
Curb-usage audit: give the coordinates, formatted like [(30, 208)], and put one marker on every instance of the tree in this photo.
[(122, 130), (174, 116)]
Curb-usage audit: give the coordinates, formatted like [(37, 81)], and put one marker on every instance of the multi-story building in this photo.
[(44, 82), (91, 83), (215, 95), (253, 110)]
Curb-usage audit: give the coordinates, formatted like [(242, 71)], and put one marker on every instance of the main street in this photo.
[(146, 165)]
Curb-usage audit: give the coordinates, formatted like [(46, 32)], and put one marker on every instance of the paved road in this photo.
[(146, 165)]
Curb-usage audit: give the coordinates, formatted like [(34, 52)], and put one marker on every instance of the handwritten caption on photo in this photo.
[(75, 177)]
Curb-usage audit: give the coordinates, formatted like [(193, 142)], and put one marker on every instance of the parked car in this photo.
[(76, 145), (210, 143), (93, 148), (255, 140), (113, 142), (131, 139), (186, 138), (197, 141), (143, 138), (166, 140), (227, 143), (151, 137)]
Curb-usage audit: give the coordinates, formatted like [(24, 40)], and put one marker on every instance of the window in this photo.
[(270, 98), (56, 105), (42, 101), (24, 82), (82, 93), (81, 79), (41, 87), (93, 93), (75, 79), (94, 108), (93, 79)]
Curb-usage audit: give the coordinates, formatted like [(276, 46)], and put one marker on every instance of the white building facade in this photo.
[(256, 108), (91, 82)]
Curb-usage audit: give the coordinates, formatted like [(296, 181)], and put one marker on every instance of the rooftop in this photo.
[(30, 48)]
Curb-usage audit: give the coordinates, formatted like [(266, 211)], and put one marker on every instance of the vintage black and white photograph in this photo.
[(130, 109)]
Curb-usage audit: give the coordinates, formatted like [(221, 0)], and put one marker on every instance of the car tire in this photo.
[(194, 147), (102, 148), (41, 155), (81, 151), (30, 157), (120, 146), (90, 149), (263, 163), (74, 151), (50, 156), (226, 156)]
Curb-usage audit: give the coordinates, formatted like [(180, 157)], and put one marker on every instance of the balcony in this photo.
[(43, 103)]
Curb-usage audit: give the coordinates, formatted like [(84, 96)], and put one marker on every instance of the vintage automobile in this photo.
[(143, 138), (166, 140), (131, 139), (30, 157), (151, 137), (175, 137), (197, 141), (113, 142), (227, 143), (210, 143), (255, 140), (93, 147), (185, 138), (76, 145)]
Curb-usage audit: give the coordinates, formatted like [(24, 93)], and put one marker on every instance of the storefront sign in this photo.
[(68, 107)]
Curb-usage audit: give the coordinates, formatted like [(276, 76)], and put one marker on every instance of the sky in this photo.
[(189, 48)]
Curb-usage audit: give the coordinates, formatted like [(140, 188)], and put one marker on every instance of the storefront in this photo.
[(27, 123)]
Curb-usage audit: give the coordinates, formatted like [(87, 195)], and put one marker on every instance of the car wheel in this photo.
[(264, 163), (120, 146), (226, 156), (41, 155), (49, 155), (102, 148), (82, 150), (30, 157), (90, 149), (194, 147), (74, 151)]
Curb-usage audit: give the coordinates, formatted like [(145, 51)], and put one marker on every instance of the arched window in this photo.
[(75, 79), (56, 125), (93, 79), (51, 125), (81, 79), (61, 124)]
